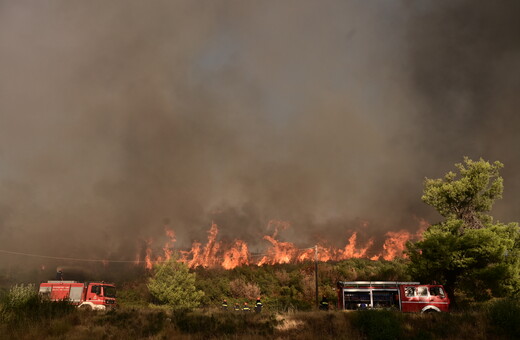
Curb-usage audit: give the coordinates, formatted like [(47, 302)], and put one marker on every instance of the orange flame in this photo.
[(395, 244), (230, 255), (237, 255), (280, 252), (148, 257), (168, 246)]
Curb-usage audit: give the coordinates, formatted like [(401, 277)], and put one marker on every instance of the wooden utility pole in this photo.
[(316, 273)]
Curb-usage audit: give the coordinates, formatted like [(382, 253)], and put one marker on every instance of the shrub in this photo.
[(223, 324), (287, 304), (22, 303), (173, 285), (376, 324), (133, 295), (20, 295), (504, 316), (136, 324), (19, 302), (241, 289)]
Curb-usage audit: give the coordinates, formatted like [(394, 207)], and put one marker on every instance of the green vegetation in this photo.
[(467, 251), (469, 197), (473, 256), (504, 316), (287, 292), (497, 320), (22, 304), (290, 287), (172, 284)]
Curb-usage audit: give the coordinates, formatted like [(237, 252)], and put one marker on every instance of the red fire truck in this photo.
[(91, 295), (403, 296)]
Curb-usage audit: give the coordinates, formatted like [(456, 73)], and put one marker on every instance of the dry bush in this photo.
[(282, 276), (241, 289), (313, 325), (309, 287)]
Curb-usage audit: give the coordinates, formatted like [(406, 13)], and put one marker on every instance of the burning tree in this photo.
[(467, 250)]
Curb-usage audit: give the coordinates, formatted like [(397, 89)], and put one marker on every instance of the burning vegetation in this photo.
[(228, 255)]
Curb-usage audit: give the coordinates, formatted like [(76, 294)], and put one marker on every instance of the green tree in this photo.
[(172, 284), (468, 251), (469, 197)]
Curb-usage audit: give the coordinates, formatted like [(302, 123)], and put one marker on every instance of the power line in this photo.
[(108, 260), (63, 258)]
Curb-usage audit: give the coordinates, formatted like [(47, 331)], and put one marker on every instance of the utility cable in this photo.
[(107, 260)]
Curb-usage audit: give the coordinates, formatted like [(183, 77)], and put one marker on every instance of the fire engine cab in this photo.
[(91, 295), (403, 296)]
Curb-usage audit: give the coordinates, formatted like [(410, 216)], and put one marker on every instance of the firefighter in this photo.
[(324, 304), (246, 307), (237, 307), (258, 305), (224, 305), (59, 275)]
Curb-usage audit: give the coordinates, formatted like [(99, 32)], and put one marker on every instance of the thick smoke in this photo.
[(466, 78), (120, 118)]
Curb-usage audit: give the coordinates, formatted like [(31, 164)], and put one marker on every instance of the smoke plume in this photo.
[(121, 118)]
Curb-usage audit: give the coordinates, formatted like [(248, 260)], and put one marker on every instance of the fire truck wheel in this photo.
[(86, 307), (431, 311)]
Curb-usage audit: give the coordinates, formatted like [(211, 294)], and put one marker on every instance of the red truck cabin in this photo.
[(403, 296), (91, 295), (423, 298)]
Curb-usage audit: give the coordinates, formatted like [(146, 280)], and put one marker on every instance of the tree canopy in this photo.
[(466, 198), (467, 251)]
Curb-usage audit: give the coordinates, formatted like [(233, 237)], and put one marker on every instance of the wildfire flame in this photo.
[(168, 247), (215, 253), (148, 257)]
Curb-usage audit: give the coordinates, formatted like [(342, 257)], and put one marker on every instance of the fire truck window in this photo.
[(109, 291), (96, 290), (383, 299), (437, 291), (409, 291), (357, 300), (422, 291), (45, 292)]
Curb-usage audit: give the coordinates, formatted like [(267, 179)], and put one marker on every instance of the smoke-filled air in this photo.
[(244, 132)]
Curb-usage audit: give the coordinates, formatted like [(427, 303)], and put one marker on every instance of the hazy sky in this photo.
[(118, 117)]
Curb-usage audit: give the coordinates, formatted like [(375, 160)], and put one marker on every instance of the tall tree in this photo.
[(469, 197), (467, 251)]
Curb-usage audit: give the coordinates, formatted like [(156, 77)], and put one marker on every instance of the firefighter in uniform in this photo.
[(237, 307), (246, 307), (258, 305), (324, 304), (224, 305)]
